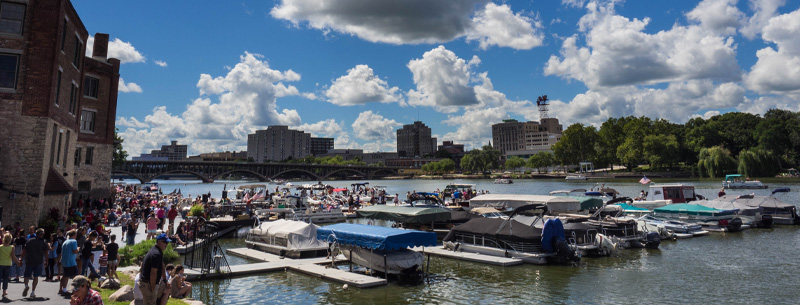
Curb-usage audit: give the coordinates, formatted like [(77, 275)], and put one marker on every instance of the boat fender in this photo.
[(602, 242)]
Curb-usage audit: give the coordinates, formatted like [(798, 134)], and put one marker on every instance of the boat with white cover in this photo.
[(293, 239), (738, 182)]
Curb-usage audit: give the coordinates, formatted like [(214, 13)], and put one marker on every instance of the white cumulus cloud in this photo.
[(160, 63), (371, 126), (361, 86), (325, 128), (128, 87), (131, 122), (442, 80), (778, 71), (497, 25)]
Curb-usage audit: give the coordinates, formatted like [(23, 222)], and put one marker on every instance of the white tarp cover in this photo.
[(299, 235), (508, 201), (397, 260)]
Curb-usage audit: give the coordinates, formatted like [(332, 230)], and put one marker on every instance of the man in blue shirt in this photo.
[(69, 253)]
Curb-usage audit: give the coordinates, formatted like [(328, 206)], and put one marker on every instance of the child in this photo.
[(104, 263)]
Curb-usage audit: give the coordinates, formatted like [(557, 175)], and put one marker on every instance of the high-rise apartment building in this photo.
[(320, 146), (58, 108), (514, 138), (414, 140), (278, 143)]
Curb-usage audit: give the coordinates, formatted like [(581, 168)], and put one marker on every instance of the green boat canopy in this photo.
[(692, 209), (405, 214), (588, 203)]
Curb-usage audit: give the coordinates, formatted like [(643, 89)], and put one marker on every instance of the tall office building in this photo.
[(514, 138), (414, 140), (278, 143)]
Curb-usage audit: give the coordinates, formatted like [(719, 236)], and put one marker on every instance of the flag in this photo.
[(259, 195), (644, 180), (246, 197)]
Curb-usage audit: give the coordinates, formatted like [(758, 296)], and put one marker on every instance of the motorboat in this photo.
[(432, 219), (667, 227), (299, 208), (488, 213), (589, 202), (288, 238), (576, 177), (503, 180), (511, 238), (711, 219), (423, 199), (625, 231), (739, 182), (583, 237), (509, 202), (380, 249), (659, 195), (769, 207), (751, 215)]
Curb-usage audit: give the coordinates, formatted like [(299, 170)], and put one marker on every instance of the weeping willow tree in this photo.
[(758, 163), (715, 162)]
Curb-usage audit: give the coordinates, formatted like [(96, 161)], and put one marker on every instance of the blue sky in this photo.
[(207, 73)]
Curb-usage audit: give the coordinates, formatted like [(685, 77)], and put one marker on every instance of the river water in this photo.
[(754, 266)]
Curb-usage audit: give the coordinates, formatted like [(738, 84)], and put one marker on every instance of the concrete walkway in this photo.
[(46, 293), (141, 233)]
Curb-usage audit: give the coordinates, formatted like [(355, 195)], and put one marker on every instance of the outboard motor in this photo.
[(564, 252), (766, 221), (652, 240), (734, 225)]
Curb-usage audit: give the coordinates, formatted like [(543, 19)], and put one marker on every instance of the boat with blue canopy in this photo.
[(381, 249)]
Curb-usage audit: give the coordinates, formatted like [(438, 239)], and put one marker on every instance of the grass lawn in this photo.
[(126, 280)]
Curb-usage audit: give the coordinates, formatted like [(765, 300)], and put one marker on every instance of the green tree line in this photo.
[(732, 142)]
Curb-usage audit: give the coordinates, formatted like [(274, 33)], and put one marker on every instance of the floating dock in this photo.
[(470, 257), (310, 266)]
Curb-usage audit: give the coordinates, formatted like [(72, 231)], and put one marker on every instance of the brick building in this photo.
[(514, 138), (58, 108), (278, 143), (414, 140)]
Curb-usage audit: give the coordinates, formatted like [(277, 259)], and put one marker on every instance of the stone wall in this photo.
[(98, 174)]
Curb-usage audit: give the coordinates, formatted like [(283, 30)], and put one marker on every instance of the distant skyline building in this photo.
[(220, 156), (278, 143), (321, 146), (414, 140), (172, 152), (514, 138)]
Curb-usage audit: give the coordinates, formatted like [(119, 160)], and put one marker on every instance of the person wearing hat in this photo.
[(153, 276), (82, 292)]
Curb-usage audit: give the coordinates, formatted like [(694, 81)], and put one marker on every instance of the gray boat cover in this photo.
[(298, 235), (507, 201)]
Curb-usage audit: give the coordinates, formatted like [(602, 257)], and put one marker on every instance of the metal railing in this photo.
[(206, 255)]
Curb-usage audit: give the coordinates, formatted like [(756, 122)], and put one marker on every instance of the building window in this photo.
[(12, 16), (73, 98), (76, 59), (89, 155), (58, 148), (66, 149), (77, 156), (87, 120), (8, 70), (90, 85), (64, 35)]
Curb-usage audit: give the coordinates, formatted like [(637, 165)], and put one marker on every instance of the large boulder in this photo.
[(124, 294), (110, 284)]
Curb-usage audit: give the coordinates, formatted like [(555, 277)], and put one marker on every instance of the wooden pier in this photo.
[(310, 266), (470, 257)]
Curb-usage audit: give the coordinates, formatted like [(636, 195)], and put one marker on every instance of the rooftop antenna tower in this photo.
[(543, 106)]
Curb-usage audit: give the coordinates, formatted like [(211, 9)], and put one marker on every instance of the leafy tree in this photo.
[(758, 163), (541, 159), (715, 162), (577, 144), (631, 152), (660, 150), (468, 162), (120, 155), (481, 160), (779, 132), (610, 136), (514, 163)]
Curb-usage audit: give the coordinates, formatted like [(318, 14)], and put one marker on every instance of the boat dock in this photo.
[(469, 257), (189, 247), (310, 266)]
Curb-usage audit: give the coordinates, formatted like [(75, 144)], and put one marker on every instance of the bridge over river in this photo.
[(208, 171)]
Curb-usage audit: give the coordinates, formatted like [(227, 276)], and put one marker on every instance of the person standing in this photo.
[(123, 223), (133, 226), (7, 257), (153, 272), (171, 215), (69, 257), (152, 226), (34, 253), (83, 294), (161, 215), (113, 257), (52, 268), (87, 255), (19, 245)]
